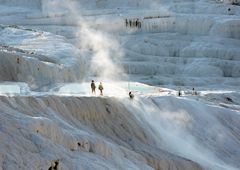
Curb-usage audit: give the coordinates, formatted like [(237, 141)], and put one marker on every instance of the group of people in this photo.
[(100, 88), (133, 23), (194, 92), (93, 87), (131, 95), (152, 17)]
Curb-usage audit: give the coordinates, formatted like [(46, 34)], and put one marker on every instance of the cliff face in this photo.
[(80, 133), (38, 58)]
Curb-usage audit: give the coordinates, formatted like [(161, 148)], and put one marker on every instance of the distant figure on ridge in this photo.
[(126, 21), (137, 22), (100, 87), (93, 87), (194, 92), (179, 93), (131, 95)]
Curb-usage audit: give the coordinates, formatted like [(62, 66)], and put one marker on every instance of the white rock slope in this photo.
[(81, 133), (38, 58)]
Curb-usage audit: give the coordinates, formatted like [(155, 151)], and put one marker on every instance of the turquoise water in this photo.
[(109, 88), (139, 88), (10, 89)]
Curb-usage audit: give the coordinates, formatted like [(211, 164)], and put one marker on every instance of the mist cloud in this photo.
[(104, 49)]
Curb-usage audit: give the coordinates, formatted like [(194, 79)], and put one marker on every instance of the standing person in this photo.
[(100, 87), (130, 23), (126, 20), (93, 87), (179, 92), (137, 22), (193, 91)]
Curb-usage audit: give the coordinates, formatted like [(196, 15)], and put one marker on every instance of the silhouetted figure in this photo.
[(137, 21), (179, 93), (126, 21), (100, 87), (194, 92), (131, 95), (130, 23), (93, 87)]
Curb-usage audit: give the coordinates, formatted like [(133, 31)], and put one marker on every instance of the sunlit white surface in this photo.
[(111, 89), (185, 45)]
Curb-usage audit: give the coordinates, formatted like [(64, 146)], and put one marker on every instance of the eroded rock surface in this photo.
[(80, 133)]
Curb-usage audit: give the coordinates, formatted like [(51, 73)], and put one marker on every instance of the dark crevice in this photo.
[(54, 165)]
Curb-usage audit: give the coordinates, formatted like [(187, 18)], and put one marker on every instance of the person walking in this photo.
[(93, 87), (100, 87)]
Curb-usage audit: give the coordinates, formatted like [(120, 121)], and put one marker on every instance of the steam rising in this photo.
[(103, 49), (172, 126)]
